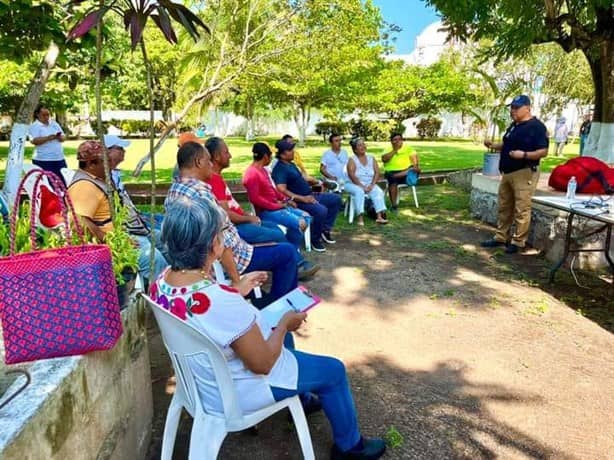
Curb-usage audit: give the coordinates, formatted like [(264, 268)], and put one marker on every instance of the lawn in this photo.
[(434, 156)]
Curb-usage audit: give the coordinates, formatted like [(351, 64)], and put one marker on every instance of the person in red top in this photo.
[(250, 228), (270, 204)]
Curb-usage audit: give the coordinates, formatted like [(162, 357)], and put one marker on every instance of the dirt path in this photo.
[(464, 353)]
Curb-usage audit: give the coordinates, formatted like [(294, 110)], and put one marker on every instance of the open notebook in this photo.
[(299, 299)]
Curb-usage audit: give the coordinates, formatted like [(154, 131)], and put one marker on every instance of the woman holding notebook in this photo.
[(263, 369)]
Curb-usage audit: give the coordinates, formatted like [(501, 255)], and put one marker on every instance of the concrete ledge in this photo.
[(97, 406), (548, 225)]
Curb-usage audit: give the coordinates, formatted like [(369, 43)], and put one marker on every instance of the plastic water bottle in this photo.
[(572, 185)]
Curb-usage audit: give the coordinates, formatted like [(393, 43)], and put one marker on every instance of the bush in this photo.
[(428, 127), (326, 128), (375, 130)]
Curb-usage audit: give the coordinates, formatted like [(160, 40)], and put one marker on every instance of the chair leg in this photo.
[(351, 210), (302, 429), (170, 429), (413, 189), (208, 434), (307, 234)]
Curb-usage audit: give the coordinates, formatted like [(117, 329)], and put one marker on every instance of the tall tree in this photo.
[(514, 25), (27, 27), (335, 55)]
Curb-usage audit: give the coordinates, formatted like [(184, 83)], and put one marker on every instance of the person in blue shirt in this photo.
[(323, 207)]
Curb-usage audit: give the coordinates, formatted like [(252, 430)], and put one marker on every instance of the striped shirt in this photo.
[(195, 189)]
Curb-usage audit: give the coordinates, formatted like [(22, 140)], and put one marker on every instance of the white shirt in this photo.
[(364, 173), (227, 318), (335, 163), (50, 150)]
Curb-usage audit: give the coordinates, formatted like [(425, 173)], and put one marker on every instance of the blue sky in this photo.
[(411, 15)]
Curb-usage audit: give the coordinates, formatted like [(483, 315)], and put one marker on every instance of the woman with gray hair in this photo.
[(363, 172), (262, 368)]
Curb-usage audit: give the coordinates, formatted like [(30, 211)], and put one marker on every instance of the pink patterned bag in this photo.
[(57, 302)]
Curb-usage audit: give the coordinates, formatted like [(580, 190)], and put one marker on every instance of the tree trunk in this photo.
[(14, 163), (303, 118), (600, 143)]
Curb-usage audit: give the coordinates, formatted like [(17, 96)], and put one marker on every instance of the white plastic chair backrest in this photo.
[(28, 185), (183, 341), (68, 174)]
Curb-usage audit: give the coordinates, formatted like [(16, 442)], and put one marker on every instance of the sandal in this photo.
[(381, 220)]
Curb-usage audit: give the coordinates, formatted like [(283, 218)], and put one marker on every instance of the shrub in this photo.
[(428, 127), (326, 128), (375, 130)]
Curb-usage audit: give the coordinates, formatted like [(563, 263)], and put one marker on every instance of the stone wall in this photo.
[(548, 225), (97, 406)]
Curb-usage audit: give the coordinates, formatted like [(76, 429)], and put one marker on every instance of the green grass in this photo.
[(434, 156)]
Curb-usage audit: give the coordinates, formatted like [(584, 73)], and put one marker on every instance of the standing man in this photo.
[(524, 143), (561, 133), (323, 207), (397, 164), (585, 130)]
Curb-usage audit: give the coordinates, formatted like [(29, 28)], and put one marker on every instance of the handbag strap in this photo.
[(65, 205)]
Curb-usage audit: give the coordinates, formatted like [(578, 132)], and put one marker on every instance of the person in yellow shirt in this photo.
[(397, 164)]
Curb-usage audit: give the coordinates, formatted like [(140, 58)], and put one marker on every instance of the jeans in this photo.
[(583, 138), (268, 232), (289, 218), (323, 213), (280, 259), (158, 219), (144, 246), (326, 377), (358, 194)]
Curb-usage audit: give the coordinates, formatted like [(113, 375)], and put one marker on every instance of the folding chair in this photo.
[(183, 341)]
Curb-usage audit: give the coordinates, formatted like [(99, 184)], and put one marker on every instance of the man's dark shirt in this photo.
[(585, 129), (289, 174), (527, 136)]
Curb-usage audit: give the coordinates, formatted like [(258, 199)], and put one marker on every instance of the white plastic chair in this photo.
[(401, 186), (68, 174), (208, 431), (349, 208), (39, 194)]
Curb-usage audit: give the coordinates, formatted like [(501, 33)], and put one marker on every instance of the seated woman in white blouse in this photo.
[(363, 172), (263, 369)]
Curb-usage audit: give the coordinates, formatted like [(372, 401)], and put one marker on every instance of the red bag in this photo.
[(57, 302), (592, 176)]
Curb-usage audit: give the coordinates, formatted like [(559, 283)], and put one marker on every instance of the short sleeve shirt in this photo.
[(289, 174), (91, 202), (224, 316), (401, 160), (335, 163), (50, 150), (222, 193), (527, 136)]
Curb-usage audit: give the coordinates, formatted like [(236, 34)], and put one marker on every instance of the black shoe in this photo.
[(511, 249), (318, 246), (328, 238), (492, 243), (307, 269), (394, 209), (368, 449)]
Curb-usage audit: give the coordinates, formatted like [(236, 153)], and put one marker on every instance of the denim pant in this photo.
[(54, 166), (326, 377), (289, 218), (323, 213), (144, 246), (358, 194), (268, 232), (281, 260), (158, 219)]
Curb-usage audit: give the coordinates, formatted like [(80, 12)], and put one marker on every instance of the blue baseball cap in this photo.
[(519, 101)]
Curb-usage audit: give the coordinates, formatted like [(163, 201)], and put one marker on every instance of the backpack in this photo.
[(592, 176), (412, 178)]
